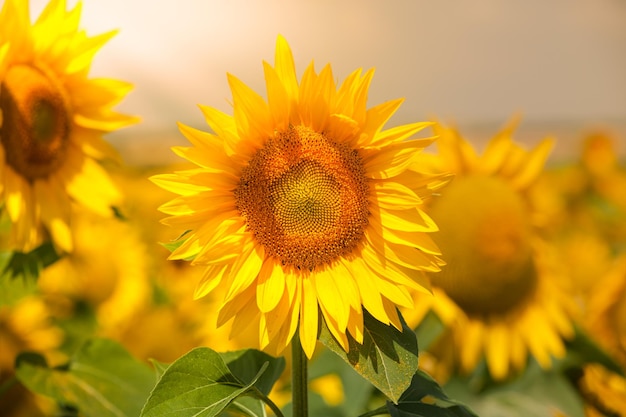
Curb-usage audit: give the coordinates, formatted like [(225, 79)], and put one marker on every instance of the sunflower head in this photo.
[(303, 191), (302, 207), (36, 122), (497, 291), (51, 120), (487, 244)]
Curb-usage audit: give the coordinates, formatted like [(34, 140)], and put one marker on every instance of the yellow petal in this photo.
[(355, 325), (335, 329), (376, 117), (394, 195), (246, 269), (393, 159), (370, 295), (308, 317), (470, 344), (89, 184), (55, 212), (285, 67), (330, 297), (270, 285), (277, 98), (251, 113), (397, 135), (497, 349), (536, 160), (410, 220), (211, 278)]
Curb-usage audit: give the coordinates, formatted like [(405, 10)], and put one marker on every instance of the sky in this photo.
[(472, 63)]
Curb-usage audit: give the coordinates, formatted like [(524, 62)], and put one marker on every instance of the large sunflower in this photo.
[(302, 204), (497, 294), (52, 119)]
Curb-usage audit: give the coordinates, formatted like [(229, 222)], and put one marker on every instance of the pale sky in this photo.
[(472, 62)]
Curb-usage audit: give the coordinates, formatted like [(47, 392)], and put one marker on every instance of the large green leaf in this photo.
[(201, 383), (244, 365), (387, 358), (425, 398), (101, 380)]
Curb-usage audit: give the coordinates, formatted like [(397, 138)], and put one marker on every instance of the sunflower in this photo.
[(109, 272), (302, 204), (498, 294), (26, 326), (52, 119)]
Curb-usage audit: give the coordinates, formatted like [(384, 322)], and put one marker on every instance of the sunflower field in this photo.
[(302, 254)]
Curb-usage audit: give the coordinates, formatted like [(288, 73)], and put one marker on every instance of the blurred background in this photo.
[(560, 63)]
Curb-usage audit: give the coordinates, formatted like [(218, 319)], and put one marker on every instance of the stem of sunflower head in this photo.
[(299, 379)]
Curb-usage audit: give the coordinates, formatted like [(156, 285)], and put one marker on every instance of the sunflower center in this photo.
[(35, 122), (485, 238), (305, 198)]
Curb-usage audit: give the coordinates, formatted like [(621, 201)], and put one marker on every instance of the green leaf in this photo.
[(387, 358), (176, 243), (201, 384), (19, 271), (244, 364), (159, 368), (536, 392), (101, 380), (412, 402)]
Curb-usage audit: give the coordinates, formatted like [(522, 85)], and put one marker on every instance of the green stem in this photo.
[(274, 408), (258, 394), (299, 379)]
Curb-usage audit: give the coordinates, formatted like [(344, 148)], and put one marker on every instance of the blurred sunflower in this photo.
[(497, 294), (605, 391), (26, 325), (108, 273), (52, 119), (601, 204), (303, 204)]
